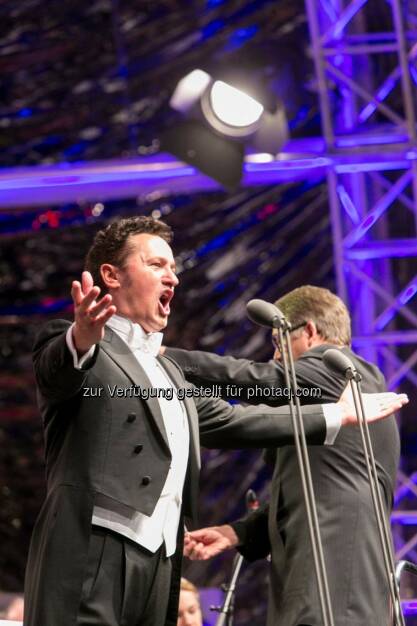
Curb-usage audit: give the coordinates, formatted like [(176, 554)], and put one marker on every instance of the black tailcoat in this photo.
[(92, 443)]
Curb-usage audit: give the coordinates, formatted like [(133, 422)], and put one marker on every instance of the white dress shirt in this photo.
[(162, 525)]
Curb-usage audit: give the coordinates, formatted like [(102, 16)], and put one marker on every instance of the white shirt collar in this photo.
[(134, 335)]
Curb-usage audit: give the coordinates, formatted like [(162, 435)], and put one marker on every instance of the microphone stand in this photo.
[(384, 534), (283, 326), (226, 611)]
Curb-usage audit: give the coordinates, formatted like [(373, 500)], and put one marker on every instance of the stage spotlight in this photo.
[(230, 110), (220, 117)]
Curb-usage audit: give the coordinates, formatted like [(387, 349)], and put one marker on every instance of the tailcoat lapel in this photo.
[(121, 354)]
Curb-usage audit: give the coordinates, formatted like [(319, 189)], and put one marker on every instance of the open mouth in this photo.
[(164, 300)]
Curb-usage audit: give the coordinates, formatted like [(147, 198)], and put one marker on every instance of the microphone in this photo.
[(264, 313), (339, 363)]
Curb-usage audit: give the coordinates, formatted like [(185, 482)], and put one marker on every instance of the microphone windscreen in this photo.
[(263, 313), (337, 362)]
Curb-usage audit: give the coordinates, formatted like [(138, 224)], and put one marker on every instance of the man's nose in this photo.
[(171, 278), (175, 279), (277, 355)]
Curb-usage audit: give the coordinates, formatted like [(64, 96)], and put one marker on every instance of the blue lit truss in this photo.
[(366, 83)]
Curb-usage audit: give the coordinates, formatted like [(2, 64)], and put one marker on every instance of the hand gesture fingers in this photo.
[(81, 289), (196, 542), (188, 548), (98, 313), (87, 282), (88, 301), (205, 543), (76, 293), (200, 552), (378, 406), (90, 315), (101, 310), (197, 550)]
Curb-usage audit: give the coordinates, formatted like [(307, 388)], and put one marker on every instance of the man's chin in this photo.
[(154, 326), (164, 323), (159, 324)]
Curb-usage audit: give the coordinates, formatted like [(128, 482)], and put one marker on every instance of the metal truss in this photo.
[(366, 76)]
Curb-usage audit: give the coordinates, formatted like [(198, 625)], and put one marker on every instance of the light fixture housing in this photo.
[(222, 114)]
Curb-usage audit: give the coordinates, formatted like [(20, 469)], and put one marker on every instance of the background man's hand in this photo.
[(89, 316), (376, 405), (203, 544)]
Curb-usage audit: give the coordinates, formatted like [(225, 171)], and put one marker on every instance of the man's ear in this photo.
[(311, 330), (110, 276)]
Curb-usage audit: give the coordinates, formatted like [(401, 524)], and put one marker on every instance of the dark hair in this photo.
[(324, 308), (111, 245)]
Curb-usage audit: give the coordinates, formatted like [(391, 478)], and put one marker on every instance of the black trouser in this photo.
[(125, 584)]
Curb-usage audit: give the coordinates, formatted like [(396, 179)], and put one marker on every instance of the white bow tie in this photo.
[(150, 344)]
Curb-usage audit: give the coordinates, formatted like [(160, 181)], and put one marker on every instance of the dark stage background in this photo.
[(85, 81)]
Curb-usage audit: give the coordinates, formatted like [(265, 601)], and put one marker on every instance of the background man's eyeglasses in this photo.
[(275, 338)]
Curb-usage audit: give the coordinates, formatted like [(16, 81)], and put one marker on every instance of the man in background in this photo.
[(357, 580)]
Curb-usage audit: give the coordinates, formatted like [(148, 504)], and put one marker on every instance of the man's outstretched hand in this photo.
[(203, 544), (376, 405), (90, 316)]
